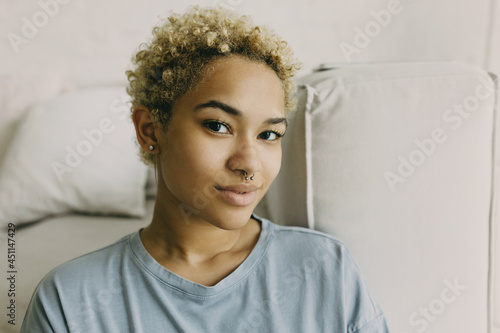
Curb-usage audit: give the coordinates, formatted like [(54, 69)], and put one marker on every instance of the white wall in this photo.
[(85, 43), (88, 41)]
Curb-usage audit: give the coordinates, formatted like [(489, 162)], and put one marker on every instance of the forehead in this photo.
[(242, 83)]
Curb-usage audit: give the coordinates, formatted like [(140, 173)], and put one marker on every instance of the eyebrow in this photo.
[(235, 112)]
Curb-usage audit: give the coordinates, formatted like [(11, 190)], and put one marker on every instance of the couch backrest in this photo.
[(396, 161)]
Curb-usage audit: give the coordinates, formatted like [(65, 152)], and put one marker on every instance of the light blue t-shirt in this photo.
[(294, 280)]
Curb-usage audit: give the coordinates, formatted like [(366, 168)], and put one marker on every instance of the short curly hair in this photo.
[(172, 63)]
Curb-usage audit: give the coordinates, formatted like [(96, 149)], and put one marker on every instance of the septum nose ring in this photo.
[(246, 177)]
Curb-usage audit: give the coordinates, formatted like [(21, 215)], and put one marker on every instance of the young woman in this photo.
[(210, 93)]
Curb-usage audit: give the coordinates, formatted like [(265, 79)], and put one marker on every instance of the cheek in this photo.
[(192, 161), (272, 163)]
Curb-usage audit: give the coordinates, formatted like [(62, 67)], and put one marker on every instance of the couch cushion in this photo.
[(75, 152), (396, 160)]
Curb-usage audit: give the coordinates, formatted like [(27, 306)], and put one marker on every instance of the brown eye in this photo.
[(216, 126), (270, 135)]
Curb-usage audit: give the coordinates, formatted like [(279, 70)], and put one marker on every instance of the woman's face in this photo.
[(229, 123)]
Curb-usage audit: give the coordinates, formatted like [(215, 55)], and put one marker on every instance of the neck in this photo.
[(195, 241)]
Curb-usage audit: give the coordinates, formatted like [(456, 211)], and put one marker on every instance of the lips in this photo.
[(238, 188), (238, 195)]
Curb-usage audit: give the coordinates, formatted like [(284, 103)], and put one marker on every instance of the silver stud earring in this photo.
[(151, 147)]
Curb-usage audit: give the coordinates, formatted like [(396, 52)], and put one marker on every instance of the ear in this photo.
[(144, 128)]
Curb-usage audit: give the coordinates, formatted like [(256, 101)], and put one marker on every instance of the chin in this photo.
[(232, 219)]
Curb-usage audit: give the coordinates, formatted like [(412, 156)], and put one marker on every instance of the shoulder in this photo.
[(305, 234), (67, 289), (311, 260), (307, 241), (306, 247), (91, 266)]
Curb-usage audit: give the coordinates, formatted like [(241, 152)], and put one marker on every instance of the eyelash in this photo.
[(206, 123)]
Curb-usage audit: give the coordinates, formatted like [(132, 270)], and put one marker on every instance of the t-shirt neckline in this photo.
[(175, 281)]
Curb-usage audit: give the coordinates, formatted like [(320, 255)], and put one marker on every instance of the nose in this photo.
[(245, 158)]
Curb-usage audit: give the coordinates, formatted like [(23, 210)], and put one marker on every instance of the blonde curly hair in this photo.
[(172, 63)]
